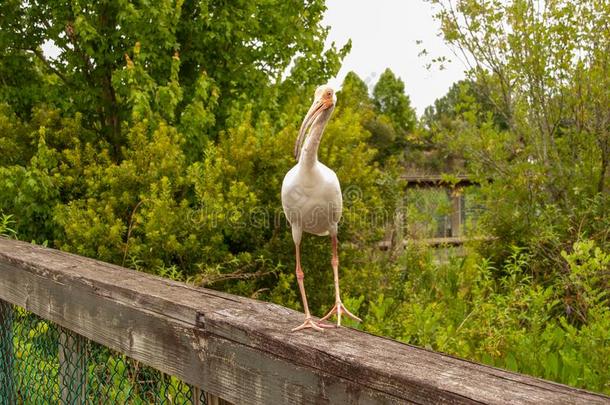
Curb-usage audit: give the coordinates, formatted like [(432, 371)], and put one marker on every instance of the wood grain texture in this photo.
[(240, 349)]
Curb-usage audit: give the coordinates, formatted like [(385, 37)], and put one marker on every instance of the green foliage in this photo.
[(387, 115), (529, 120), (6, 223), (110, 377), (104, 47), (391, 101), (162, 147), (354, 94), (141, 144), (523, 125), (499, 315)]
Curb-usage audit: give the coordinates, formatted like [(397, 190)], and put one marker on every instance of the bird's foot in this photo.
[(325, 325), (338, 309), (309, 323)]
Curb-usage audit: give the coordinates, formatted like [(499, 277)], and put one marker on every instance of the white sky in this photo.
[(384, 34)]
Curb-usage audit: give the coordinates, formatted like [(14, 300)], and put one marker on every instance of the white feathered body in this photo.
[(311, 198)]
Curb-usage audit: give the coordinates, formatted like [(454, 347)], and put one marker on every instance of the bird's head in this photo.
[(325, 95), (324, 101)]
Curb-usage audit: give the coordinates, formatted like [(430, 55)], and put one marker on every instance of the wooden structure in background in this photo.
[(241, 350), (455, 193), (437, 242), (437, 181)]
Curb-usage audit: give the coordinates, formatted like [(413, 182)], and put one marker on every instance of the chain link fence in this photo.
[(43, 363)]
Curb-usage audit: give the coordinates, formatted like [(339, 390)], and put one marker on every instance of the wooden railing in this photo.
[(241, 350), (437, 180)]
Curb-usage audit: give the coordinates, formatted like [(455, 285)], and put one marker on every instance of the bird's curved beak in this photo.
[(314, 111)]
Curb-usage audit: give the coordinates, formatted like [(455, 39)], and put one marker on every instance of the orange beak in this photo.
[(310, 118)]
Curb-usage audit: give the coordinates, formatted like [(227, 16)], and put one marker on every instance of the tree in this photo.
[(391, 101), (233, 48), (395, 117), (117, 71), (543, 69), (354, 93), (387, 115), (162, 146), (459, 98)]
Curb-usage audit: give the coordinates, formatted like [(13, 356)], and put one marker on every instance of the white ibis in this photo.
[(311, 198)]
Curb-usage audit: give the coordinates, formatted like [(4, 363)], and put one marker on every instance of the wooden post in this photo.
[(208, 398), (456, 213), (7, 356), (72, 367), (196, 396), (214, 400)]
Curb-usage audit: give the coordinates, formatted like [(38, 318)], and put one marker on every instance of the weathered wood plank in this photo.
[(129, 320), (455, 218), (240, 349)]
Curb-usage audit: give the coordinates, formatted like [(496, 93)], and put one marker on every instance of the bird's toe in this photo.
[(309, 323)]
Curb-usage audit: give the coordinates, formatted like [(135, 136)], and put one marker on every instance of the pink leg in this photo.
[(309, 323), (339, 308)]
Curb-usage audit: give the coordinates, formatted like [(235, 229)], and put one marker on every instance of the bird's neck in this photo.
[(309, 153)]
